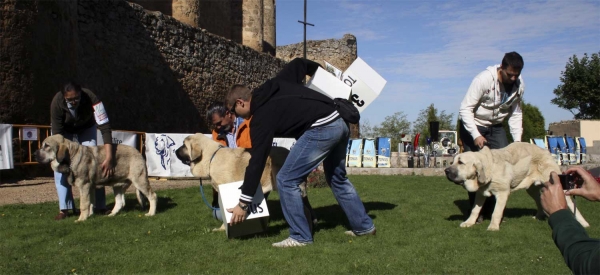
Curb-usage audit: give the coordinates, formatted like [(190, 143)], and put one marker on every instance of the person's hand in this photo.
[(590, 189), (108, 168), (480, 141), (553, 196), (239, 215)]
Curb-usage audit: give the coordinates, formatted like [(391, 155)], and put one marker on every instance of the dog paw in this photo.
[(466, 224), (493, 228), (149, 214), (112, 214)]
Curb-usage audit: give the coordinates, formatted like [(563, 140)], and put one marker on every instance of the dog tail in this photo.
[(141, 199)]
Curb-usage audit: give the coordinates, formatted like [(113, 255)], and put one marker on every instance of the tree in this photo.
[(393, 127), (366, 130), (421, 125), (580, 88), (533, 123)]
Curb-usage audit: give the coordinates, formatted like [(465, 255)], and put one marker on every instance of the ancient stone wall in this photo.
[(337, 52), (248, 22), (153, 73)]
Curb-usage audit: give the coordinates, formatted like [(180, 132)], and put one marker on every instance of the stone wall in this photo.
[(248, 22), (153, 73), (337, 52)]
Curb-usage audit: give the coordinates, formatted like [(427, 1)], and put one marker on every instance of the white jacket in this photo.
[(482, 105)]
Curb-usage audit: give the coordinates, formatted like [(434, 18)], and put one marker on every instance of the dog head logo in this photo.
[(162, 145)]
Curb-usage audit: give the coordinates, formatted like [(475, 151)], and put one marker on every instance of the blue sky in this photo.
[(430, 51)]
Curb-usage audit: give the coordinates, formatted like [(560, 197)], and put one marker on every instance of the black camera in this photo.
[(567, 181)]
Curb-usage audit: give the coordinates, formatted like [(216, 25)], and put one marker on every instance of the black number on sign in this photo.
[(349, 81), (359, 103)]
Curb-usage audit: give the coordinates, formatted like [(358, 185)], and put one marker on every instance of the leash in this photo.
[(201, 186)]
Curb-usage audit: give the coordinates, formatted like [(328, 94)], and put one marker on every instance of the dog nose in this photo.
[(447, 170)]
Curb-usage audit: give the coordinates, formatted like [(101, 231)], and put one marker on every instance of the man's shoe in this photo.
[(61, 216), (352, 234), (289, 242)]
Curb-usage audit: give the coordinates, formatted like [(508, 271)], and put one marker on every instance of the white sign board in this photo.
[(324, 82), (6, 152), (366, 83), (30, 133), (257, 218)]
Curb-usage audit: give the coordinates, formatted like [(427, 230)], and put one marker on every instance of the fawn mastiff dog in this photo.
[(82, 166), (499, 172), (209, 159)]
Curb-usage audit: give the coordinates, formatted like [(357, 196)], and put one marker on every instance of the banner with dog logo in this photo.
[(160, 155), (257, 218), (6, 152), (369, 153), (355, 153), (383, 152)]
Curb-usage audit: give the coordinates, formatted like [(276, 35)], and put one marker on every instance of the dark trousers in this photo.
[(496, 139)]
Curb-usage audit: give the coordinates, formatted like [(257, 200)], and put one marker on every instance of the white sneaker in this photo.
[(289, 242)]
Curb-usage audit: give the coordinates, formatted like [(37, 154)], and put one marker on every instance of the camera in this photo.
[(567, 181)]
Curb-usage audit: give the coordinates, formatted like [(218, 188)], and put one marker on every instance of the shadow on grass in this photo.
[(162, 204), (465, 208), (329, 216)]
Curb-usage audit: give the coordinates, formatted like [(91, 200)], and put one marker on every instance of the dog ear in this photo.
[(195, 152), (63, 153), (481, 168)]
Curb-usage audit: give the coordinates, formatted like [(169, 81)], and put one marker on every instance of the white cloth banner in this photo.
[(161, 160), (6, 152), (284, 142), (118, 137)]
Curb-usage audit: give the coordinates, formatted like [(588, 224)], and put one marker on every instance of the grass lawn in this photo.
[(417, 220)]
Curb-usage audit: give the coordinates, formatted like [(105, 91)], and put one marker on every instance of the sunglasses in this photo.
[(73, 100), (232, 110)]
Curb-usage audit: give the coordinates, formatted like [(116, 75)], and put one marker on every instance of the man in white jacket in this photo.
[(494, 95)]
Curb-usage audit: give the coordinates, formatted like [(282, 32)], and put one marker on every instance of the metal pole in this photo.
[(305, 29), (305, 23)]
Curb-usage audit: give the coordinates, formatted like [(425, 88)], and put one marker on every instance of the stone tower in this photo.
[(248, 22)]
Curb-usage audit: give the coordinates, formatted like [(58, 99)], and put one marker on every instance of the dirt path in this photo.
[(43, 190)]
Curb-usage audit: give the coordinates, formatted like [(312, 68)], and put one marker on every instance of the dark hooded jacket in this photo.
[(282, 107)]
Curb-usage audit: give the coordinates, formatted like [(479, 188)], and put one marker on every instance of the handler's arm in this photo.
[(297, 70), (515, 122), (261, 137), (467, 106), (581, 253)]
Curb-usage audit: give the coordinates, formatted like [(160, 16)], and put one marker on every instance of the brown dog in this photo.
[(81, 164)]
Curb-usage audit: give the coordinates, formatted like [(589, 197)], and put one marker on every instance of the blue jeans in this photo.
[(328, 144), (86, 137)]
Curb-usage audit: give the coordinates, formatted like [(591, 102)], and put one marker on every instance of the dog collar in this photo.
[(212, 157)]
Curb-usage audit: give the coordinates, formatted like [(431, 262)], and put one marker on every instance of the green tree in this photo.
[(533, 123), (366, 130), (393, 127), (421, 125), (580, 89)]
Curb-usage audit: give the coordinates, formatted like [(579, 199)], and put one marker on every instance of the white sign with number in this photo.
[(365, 82)]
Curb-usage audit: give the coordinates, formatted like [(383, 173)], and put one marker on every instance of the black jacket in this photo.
[(63, 122), (281, 107)]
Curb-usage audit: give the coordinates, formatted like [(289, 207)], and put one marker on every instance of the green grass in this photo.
[(417, 221)]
